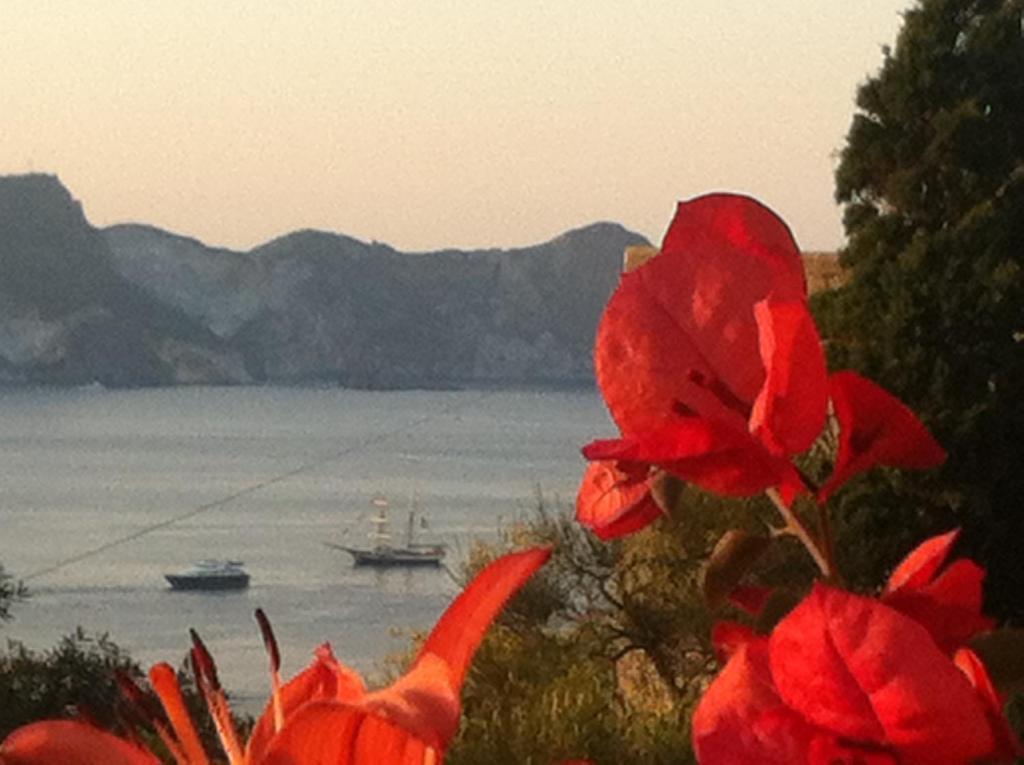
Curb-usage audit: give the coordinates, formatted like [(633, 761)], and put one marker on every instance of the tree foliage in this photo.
[(932, 180), (76, 676), (605, 652)]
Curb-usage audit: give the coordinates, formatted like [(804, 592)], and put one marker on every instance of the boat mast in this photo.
[(381, 534)]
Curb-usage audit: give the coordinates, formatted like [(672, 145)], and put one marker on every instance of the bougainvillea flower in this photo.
[(741, 719), (843, 673), (947, 602), (323, 715), (1008, 745), (707, 355), (727, 638), (845, 678), (614, 502), (712, 454), (875, 428)]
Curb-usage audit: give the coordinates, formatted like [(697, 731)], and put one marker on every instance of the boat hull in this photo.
[(182, 582), (371, 559), (393, 557)]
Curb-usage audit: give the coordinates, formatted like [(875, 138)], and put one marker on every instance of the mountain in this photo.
[(135, 305), (66, 315)]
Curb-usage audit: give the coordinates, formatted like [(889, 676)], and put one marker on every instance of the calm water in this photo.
[(281, 470)]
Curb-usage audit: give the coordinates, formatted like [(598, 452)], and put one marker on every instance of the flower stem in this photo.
[(828, 548), (796, 527)]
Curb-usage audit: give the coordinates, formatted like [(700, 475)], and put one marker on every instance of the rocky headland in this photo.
[(136, 305)]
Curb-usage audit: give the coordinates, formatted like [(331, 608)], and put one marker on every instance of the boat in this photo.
[(211, 575), (384, 553)]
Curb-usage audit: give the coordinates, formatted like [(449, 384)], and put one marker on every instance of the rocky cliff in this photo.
[(66, 315), (132, 304)]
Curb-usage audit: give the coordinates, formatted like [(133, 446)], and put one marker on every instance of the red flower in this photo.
[(948, 604), (849, 679), (707, 355), (875, 428), (710, 364), (615, 502), (324, 714)]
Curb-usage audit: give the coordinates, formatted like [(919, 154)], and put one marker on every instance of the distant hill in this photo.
[(136, 305), (66, 315), (313, 305)]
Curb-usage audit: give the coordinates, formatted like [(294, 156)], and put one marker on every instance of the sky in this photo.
[(434, 123)]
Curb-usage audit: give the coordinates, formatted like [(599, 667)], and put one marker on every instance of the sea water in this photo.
[(104, 491)]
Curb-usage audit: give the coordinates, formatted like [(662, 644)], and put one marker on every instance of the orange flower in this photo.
[(323, 715), (69, 742)]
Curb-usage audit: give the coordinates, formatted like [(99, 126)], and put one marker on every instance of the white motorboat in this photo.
[(211, 575)]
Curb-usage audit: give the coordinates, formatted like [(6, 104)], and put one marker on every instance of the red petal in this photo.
[(691, 311), (1007, 744), (380, 741), (741, 719), (737, 230), (164, 682), (69, 742), (875, 428), (868, 673), (676, 438), (790, 409), (728, 637), (394, 725), (326, 679), (711, 454), (947, 604), (332, 733), (949, 607), (458, 633), (614, 503), (971, 665), (423, 702), (737, 472), (920, 566), (829, 750)]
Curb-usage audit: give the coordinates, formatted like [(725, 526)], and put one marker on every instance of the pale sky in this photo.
[(434, 123)]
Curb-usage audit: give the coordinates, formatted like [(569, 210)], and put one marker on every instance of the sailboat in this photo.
[(384, 553)]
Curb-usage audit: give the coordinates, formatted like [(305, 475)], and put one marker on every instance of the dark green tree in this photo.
[(77, 675), (78, 678), (932, 181)]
